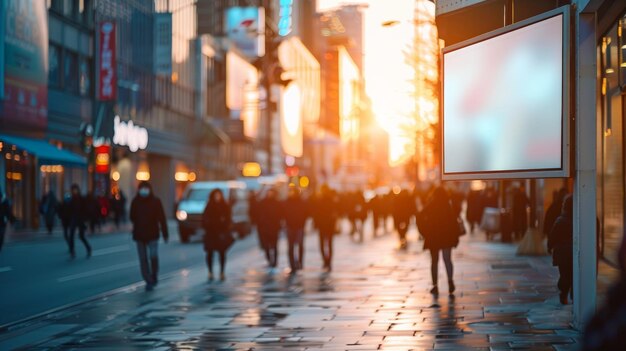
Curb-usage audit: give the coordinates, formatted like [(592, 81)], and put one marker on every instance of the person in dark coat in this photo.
[(48, 208), (377, 205), (148, 218), (6, 216), (560, 244), (216, 220), (269, 225), (553, 211), (474, 210), (91, 212), (606, 330), (325, 216), (65, 215), (357, 213), (403, 209), (118, 203), (296, 212), (438, 225), (78, 214), (520, 214)]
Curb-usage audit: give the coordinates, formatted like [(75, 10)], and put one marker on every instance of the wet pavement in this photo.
[(376, 298)]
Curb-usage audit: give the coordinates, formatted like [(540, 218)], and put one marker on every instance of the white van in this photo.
[(195, 198)]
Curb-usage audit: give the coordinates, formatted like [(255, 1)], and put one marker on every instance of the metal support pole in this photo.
[(585, 177)]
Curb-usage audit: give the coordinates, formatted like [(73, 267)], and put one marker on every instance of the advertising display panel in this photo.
[(508, 116), (245, 28), (25, 64)]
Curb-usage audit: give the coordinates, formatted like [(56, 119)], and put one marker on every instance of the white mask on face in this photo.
[(144, 192)]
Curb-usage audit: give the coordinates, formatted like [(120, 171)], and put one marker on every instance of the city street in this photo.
[(39, 275), (376, 297)]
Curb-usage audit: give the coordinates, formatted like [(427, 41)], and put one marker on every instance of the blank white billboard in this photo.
[(505, 103)]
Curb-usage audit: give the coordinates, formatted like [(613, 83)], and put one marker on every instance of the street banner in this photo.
[(163, 43), (107, 75), (25, 47), (245, 28)]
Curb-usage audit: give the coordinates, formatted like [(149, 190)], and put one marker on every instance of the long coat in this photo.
[(560, 241), (269, 220), (438, 223), (148, 218), (325, 214), (216, 221)]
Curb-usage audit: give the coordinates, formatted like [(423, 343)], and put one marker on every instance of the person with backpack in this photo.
[(148, 218), (217, 221)]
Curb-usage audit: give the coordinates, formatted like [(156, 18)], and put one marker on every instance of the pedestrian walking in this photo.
[(48, 207), (560, 241), (65, 215), (554, 210), (77, 220), (91, 212), (520, 214), (216, 220), (325, 216), (438, 224), (474, 211), (6, 216), (403, 209), (269, 225), (148, 218), (357, 214), (118, 203), (295, 212)]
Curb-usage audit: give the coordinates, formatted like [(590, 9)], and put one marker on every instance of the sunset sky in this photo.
[(387, 74)]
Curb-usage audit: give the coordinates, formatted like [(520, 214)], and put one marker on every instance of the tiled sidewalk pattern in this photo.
[(376, 298)]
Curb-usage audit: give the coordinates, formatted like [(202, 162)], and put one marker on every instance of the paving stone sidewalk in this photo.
[(376, 298)]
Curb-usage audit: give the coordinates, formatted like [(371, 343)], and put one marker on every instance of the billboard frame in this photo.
[(566, 95)]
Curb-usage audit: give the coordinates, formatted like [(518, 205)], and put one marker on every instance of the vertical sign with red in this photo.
[(107, 77), (103, 158)]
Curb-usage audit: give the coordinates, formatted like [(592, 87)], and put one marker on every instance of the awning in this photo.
[(46, 153)]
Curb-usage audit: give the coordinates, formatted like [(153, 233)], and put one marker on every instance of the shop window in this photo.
[(621, 32), (54, 71), (70, 71), (613, 142), (84, 82)]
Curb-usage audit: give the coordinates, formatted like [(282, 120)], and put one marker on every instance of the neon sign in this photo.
[(285, 23), (128, 134)]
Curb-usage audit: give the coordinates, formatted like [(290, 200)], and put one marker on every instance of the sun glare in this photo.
[(389, 74)]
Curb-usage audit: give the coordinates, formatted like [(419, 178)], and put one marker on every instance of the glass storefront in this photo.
[(611, 194)]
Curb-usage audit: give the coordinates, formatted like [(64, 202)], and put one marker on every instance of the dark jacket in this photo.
[(437, 222), (216, 221), (325, 214), (6, 213), (296, 212), (269, 216), (78, 210), (65, 212), (403, 208), (606, 330), (560, 241), (147, 215)]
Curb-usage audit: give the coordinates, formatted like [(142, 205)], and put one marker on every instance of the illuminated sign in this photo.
[(103, 158), (107, 84), (245, 28), (128, 134), (291, 130), (285, 20), (251, 169)]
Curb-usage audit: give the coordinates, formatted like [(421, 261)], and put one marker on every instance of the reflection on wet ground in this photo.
[(375, 299)]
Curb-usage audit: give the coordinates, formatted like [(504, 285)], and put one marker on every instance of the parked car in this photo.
[(190, 208)]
